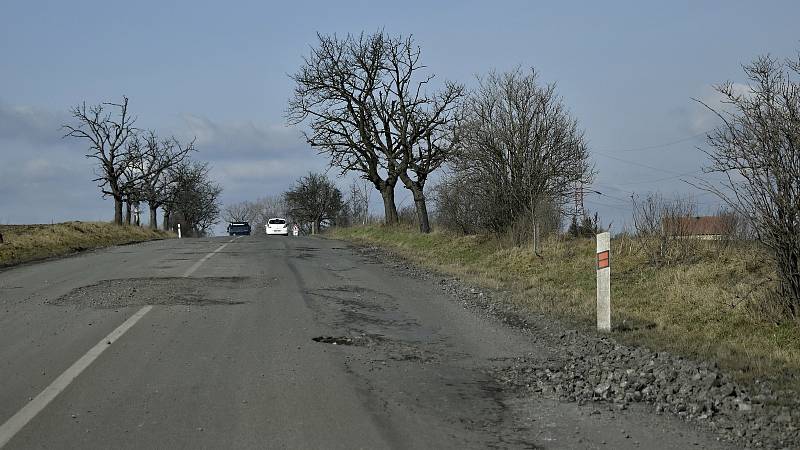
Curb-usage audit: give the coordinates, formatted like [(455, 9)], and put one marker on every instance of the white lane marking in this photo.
[(197, 265), (29, 411)]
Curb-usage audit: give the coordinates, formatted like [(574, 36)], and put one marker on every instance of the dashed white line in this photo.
[(12, 426), (197, 265)]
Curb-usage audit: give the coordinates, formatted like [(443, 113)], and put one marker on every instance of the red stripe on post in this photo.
[(603, 260)]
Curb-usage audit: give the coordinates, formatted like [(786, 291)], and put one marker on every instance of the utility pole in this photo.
[(580, 211)]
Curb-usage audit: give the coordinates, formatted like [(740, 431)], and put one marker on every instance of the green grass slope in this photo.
[(23, 243), (710, 308)]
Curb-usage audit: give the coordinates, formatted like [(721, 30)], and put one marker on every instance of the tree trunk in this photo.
[(422, 215), (417, 188), (128, 213), (389, 208), (315, 227), (118, 210), (153, 217), (166, 220)]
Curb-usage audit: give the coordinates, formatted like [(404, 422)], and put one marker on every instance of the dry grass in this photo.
[(710, 308), (23, 243)]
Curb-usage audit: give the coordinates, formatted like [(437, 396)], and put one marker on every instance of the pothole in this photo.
[(109, 294), (338, 340)]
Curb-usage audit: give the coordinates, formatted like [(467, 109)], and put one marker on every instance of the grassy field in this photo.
[(23, 243), (709, 308)]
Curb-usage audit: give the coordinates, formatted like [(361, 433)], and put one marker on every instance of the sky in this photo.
[(628, 71)]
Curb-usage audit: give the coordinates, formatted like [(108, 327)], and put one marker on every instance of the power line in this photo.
[(650, 147), (617, 207), (666, 144), (632, 193), (696, 172), (592, 191), (637, 164)]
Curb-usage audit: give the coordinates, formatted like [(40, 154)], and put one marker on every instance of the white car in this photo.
[(277, 226)]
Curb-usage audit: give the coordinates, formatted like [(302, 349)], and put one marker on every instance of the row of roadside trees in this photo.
[(135, 166), (374, 109), (514, 152)]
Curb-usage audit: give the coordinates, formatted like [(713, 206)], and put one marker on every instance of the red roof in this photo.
[(699, 225)]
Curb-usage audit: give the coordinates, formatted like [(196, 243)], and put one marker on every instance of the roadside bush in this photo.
[(407, 215), (461, 207), (661, 232), (521, 153), (587, 227), (756, 148), (458, 207)]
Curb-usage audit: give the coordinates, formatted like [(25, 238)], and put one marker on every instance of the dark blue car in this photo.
[(239, 229)]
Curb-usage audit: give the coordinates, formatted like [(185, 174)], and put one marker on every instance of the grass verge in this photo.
[(710, 308), (24, 243)]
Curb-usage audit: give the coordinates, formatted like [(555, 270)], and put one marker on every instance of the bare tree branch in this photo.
[(756, 149), (106, 128)]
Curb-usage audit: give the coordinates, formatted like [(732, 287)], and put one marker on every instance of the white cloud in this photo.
[(28, 124), (256, 170), (44, 183), (240, 137), (249, 158), (39, 169)]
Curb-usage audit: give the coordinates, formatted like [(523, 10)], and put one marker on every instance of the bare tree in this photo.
[(194, 198), (314, 199), (757, 149), (369, 111), (107, 127), (240, 212), (337, 91), (421, 124), (520, 150), (152, 161), (131, 179), (268, 207), (458, 205), (358, 201)]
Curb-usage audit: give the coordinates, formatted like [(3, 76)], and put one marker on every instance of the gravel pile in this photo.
[(586, 367)]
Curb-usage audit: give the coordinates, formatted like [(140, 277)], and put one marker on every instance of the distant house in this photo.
[(699, 227)]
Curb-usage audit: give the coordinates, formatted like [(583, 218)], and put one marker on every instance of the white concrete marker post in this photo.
[(604, 282), (179, 231)]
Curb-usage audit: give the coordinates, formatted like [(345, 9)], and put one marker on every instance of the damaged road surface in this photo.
[(273, 342)]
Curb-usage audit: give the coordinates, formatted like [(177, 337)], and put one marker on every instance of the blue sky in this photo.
[(626, 70)]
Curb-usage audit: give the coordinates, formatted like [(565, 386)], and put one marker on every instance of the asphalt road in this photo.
[(209, 343)]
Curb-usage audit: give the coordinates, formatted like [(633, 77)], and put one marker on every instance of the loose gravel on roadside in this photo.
[(585, 367)]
